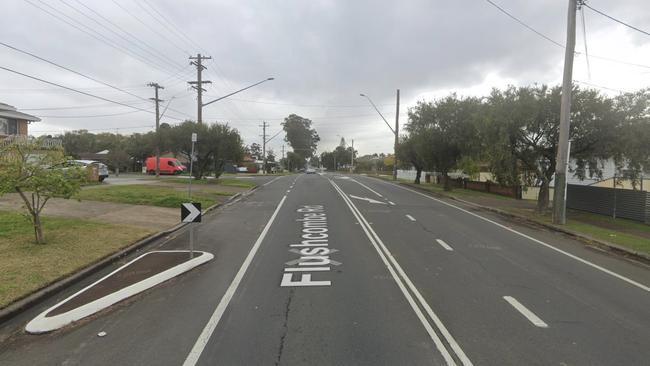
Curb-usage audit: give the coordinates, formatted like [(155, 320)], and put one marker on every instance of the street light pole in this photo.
[(395, 131)]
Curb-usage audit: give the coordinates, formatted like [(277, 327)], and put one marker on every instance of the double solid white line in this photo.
[(403, 282)]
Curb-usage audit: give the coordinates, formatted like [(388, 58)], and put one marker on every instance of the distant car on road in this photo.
[(169, 166), (310, 171)]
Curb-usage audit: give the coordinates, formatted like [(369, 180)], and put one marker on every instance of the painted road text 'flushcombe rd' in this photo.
[(313, 249)]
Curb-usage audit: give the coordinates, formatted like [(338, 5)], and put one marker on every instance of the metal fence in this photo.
[(623, 203)]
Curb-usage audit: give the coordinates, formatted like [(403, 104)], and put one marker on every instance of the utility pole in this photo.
[(562, 157), (156, 87), (198, 83), (396, 138), (283, 162), (264, 126), (352, 159)]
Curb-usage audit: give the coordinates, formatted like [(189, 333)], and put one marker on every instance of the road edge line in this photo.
[(549, 246), (203, 339)]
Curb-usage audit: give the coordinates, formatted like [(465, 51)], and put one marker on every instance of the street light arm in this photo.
[(381, 115), (235, 92)]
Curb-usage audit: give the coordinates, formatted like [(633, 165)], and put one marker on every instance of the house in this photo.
[(14, 123)]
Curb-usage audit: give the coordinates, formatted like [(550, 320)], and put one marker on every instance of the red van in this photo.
[(167, 166)]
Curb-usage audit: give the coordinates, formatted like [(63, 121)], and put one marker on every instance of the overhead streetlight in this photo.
[(395, 130), (235, 92)]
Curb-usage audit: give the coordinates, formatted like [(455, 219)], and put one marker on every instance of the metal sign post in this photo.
[(189, 190), (191, 213)]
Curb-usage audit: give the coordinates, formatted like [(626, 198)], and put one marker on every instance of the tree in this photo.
[(522, 131), (448, 131), (78, 142), (631, 150), (407, 151), (217, 144), (256, 150), (36, 174), (300, 135), (294, 161)]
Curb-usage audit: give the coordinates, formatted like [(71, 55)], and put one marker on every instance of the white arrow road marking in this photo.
[(370, 200), (525, 312), (193, 212), (444, 245)]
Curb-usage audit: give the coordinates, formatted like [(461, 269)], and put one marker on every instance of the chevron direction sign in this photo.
[(191, 212)]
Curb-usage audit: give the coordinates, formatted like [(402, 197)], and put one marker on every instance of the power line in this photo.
[(600, 86), (150, 28), (93, 33), (74, 90), (558, 43), (617, 20), (79, 106), (164, 56), (91, 116), (70, 70)]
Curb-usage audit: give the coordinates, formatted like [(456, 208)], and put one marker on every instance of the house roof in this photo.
[(8, 111)]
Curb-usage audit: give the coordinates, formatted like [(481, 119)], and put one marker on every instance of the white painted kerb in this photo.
[(42, 324)]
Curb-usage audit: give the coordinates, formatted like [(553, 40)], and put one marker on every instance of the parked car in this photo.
[(102, 169), (169, 166), (310, 171)]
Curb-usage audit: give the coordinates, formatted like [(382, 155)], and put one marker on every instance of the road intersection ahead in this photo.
[(350, 270)]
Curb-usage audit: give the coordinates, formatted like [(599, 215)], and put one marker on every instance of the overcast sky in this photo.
[(322, 54)]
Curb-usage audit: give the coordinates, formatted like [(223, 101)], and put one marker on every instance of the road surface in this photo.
[(350, 270)]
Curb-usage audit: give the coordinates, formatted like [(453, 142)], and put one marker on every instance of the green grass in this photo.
[(72, 244), (148, 194), (226, 182)]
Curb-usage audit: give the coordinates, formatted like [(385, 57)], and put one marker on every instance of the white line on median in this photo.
[(444, 245), (525, 312), (271, 181), (384, 253), (411, 217), (205, 335), (549, 246), (366, 187)]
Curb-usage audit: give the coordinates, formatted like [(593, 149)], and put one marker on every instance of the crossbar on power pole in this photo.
[(562, 156), (156, 87)]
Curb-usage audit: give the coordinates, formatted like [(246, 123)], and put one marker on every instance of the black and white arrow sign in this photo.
[(190, 212)]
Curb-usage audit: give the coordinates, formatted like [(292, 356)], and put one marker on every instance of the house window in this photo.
[(8, 126), (12, 127)]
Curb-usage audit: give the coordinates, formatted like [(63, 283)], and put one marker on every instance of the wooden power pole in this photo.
[(396, 138), (562, 157), (155, 99), (198, 83)]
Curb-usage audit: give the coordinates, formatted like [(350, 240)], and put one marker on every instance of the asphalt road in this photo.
[(350, 270)]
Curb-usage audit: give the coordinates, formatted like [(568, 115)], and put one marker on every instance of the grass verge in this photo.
[(226, 182), (72, 244), (148, 194)]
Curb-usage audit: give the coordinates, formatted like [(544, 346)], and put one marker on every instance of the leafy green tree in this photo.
[(295, 161), (631, 149), (448, 131), (78, 142), (36, 174), (407, 151), (300, 135)]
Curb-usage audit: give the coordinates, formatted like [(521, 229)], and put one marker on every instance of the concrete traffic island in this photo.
[(140, 274)]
